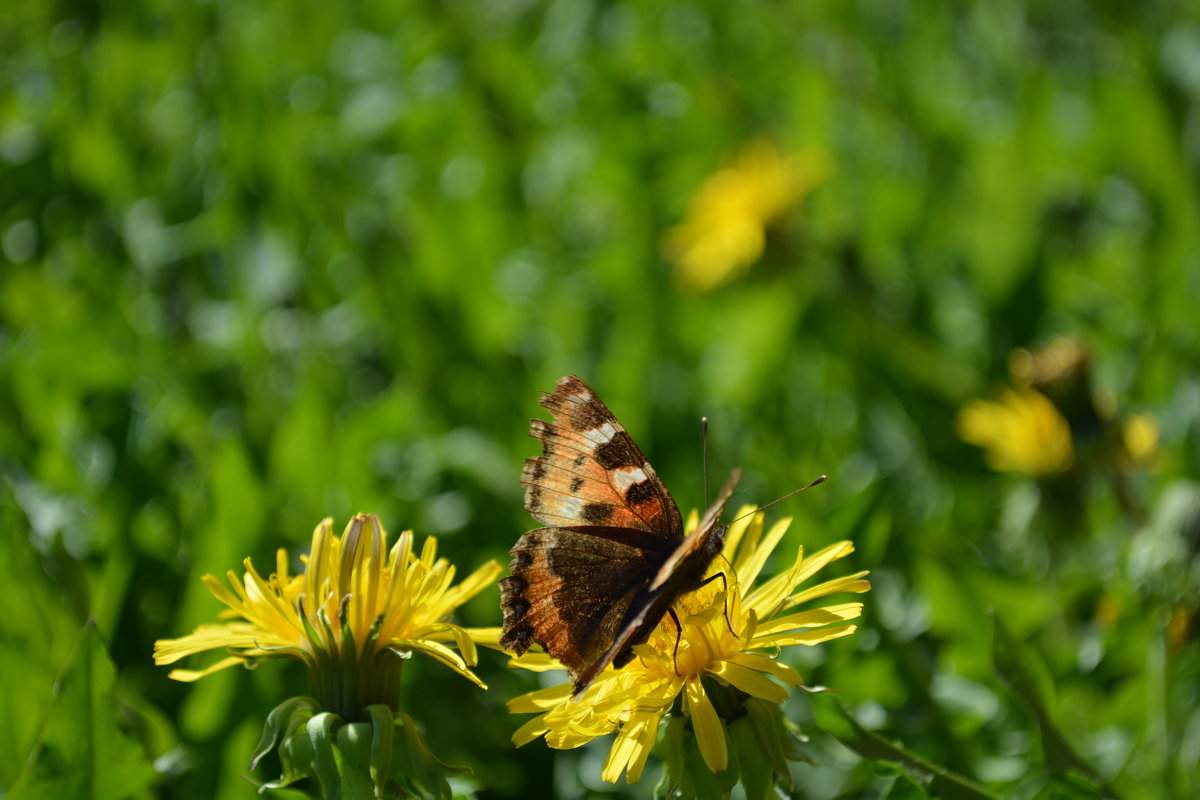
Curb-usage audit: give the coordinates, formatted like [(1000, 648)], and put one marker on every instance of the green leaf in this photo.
[(1020, 669), (38, 630), (1027, 678), (934, 780), (82, 752)]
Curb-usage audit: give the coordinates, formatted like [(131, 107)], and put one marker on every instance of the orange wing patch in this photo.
[(591, 472)]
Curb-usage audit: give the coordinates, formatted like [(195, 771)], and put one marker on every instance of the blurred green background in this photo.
[(264, 262)]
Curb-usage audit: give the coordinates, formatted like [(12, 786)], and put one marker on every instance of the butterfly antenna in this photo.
[(817, 482), (704, 439)]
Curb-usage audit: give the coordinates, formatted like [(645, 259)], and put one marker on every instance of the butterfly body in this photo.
[(613, 557)]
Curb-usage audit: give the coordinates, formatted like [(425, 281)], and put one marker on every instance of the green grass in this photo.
[(268, 262)]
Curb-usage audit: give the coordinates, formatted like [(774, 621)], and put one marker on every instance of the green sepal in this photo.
[(704, 785), (310, 632), (757, 773), (296, 760), (416, 767), (671, 750), (761, 742), (765, 741), (773, 735), (282, 722), (727, 778), (684, 772), (321, 731), (353, 761), (353, 756), (383, 728)]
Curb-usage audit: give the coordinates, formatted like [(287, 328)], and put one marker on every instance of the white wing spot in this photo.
[(603, 434), (626, 477), (570, 507)]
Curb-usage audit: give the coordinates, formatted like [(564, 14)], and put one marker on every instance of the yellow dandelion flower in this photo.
[(731, 634), (725, 228), (1021, 432), (353, 613)]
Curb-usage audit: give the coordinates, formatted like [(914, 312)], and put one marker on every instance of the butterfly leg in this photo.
[(725, 610), (678, 636)]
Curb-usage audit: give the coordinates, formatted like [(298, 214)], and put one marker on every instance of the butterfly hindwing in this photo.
[(571, 589), (591, 472)]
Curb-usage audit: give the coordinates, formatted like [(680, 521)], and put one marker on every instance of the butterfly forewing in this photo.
[(590, 471)]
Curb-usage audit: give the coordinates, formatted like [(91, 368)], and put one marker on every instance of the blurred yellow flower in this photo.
[(350, 616), (1064, 360), (727, 218), (1180, 625), (724, 632), (1062, 371), (1139, 435), (1022, 432)]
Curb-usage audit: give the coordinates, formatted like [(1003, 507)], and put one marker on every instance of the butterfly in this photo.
[(613, 557)]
